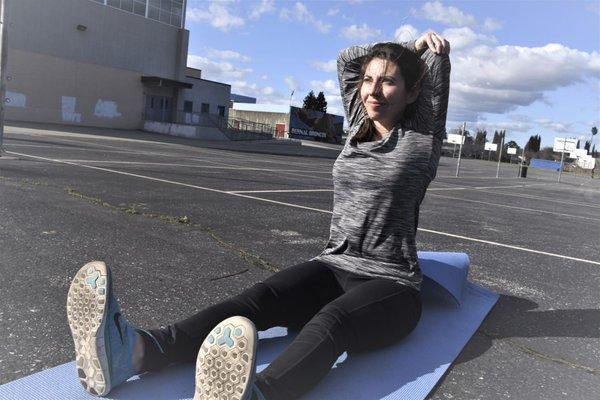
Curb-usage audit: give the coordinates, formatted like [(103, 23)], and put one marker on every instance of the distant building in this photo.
[(238, 98), (292, 122), (105, 63)]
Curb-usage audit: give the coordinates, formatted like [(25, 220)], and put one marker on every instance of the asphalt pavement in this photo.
[(184, 224)]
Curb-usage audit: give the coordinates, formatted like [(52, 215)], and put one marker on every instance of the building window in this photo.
[(221, 110), (188, 106), (205, 108), (166, 11)]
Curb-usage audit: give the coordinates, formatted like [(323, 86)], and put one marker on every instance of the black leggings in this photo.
[(336, 311)]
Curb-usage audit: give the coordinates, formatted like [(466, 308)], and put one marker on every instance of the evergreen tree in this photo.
[(321, 103), (534, 143), (310, 101)]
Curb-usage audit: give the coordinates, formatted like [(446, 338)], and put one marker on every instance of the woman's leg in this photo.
[(288, 298), (375, 313)]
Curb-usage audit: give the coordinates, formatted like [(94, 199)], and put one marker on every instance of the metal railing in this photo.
[(233, 128)]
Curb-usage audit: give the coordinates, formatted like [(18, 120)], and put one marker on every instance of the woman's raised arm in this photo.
[(432, 103)]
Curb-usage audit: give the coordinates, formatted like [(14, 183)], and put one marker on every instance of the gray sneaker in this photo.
[(225, 367)]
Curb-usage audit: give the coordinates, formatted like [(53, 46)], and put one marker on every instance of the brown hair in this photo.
[(412, 69)]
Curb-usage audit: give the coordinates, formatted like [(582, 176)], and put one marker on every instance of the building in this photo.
[(291, 122), (105, 63), (238, 98)]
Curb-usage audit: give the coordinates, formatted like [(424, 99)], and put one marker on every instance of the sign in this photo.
[(491, 146), (455, 138), (511, 150), (577, 153), (563, 145), (315, 125), (586, 162)]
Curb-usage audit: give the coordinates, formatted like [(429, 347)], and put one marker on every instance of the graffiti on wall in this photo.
[(106, 109), (68, 109)]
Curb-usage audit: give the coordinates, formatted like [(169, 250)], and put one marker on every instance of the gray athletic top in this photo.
[(379, 185)]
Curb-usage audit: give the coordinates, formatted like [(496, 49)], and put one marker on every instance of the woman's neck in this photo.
[(382, 129)]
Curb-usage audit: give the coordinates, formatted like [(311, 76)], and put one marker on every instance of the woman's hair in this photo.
[(412, 69)]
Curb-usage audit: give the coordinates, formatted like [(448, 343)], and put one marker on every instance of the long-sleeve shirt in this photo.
[(379, 185)]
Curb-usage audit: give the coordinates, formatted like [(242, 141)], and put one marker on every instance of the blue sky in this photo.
[(529, 67)]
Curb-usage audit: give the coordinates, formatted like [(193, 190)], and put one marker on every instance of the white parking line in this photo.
[(301, 207), (192, 166), (460, 199), (280, 191)]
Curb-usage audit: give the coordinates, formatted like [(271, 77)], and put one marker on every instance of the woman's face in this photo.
[(383, 93)]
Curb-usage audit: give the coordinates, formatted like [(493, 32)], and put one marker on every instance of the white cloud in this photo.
[(406, 33), (328, 87), (460, 38), (265, 6), (491, 25), (437, 12), (332, 12), (359, 32), (291, 83), (264, 77), (331, 90), (301, 13), (219, 71), (217, 15), (500, 79), (267, 90), (561, 127), (327, 66), (262, 94), (227, 55)]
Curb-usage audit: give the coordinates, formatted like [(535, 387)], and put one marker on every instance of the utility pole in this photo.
[(462, 139), (562, 159), (500, 155), (3, 51)]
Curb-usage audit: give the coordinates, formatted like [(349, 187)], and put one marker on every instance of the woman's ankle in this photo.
[(148, 355)]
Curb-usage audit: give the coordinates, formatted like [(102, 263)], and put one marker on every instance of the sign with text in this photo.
[(491, 146), (455, 138), (578, 153), (315, 125), (511, 150), (586, 162), (563, 145)]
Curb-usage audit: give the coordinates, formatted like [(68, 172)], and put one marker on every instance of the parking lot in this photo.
[(184, 225)]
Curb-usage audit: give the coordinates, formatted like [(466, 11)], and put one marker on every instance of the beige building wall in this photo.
[(42, 88), (270, 118), (59, 73)]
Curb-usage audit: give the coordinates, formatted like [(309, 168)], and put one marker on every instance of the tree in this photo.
[(588, 144), (533, 144), (321, 103), (310, 101), (480, 138), (317, 103)]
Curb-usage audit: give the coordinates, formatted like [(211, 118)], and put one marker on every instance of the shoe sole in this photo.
[(86, 310), (225, 363)]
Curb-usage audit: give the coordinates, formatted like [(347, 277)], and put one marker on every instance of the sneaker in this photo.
[(225, 367), (104, 341)]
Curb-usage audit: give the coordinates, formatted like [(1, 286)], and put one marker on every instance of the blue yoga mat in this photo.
[(453, 309)]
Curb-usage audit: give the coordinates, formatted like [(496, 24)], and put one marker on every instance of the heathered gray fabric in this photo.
[(379, 185)]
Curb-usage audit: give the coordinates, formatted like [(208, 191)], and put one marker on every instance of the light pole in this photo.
[(3, 51), (500, 155), (462, 139)]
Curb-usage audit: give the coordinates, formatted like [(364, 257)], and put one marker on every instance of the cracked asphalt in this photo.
[(185, 224)]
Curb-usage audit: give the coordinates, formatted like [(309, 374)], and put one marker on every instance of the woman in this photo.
[(360, 293)]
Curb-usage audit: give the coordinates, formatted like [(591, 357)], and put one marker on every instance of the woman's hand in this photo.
[(435, 42)]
